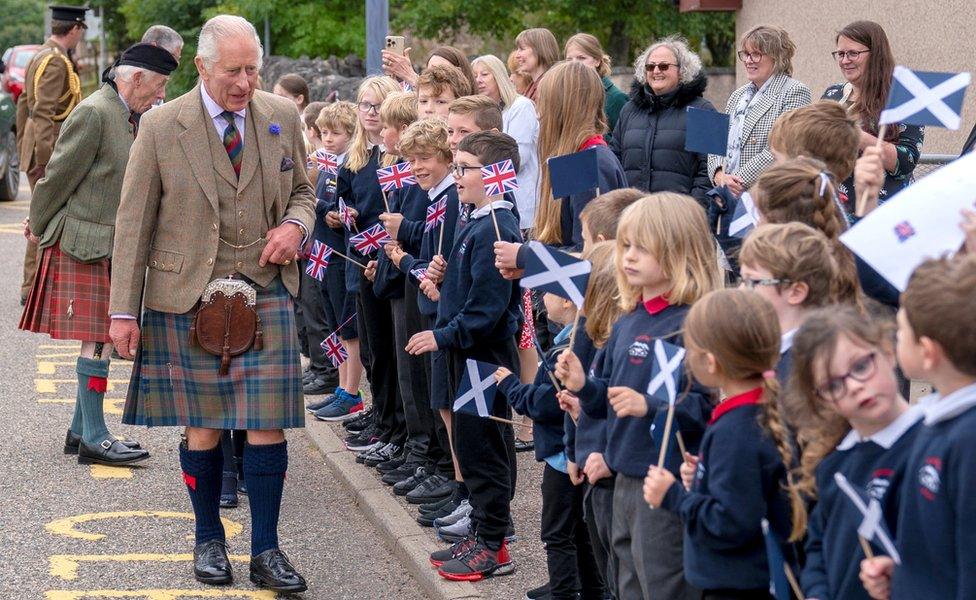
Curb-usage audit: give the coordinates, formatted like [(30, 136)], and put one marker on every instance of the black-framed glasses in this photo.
[(459, 170), (840, 55), (749, 284), (366, 107), (662, 67), (861, 370), (753, 56)]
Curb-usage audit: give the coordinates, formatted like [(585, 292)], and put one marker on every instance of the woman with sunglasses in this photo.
[(649, 138), (766, 53), (867, 63)]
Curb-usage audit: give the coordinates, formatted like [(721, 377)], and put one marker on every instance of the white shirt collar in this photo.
[(887, 437), (440, 187), (486, 209), (341, 158), (938, 409), (786, 340), (214, 109)]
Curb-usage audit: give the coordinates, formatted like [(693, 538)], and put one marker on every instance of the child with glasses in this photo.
[(843, 399)]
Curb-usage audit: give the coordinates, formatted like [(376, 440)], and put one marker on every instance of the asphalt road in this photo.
[(73, 532)]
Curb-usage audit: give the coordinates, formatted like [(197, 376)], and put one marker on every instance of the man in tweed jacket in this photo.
[(216, 187)]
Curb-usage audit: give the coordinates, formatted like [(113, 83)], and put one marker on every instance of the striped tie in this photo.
[(233, 142)]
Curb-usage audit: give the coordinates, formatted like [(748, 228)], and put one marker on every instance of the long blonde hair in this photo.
[(673, 228), (381, 86), (570, 105), (506, 89), (600, 304), (590, 46)]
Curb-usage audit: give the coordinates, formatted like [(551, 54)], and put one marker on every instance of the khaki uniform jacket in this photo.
[(78, 197), (42, 108), (180, 198)]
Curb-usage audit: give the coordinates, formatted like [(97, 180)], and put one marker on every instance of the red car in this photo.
[(16, 59)]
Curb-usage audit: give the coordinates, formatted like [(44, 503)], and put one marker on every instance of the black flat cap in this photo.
[(74, 14), (147, 56)]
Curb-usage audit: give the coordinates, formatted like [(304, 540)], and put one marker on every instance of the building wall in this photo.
[(926, 36)]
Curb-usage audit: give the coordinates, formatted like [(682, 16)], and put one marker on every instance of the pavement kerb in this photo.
[(405, 538)]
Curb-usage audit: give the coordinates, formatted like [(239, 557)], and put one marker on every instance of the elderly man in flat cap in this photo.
[(216, 203), (72, 219)]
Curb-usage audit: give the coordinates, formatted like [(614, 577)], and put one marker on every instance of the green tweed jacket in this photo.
[(76, 201)]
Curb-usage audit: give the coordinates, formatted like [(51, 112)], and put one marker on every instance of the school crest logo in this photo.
[(879, 484), (462, 248), (700, 471), (639, 349), (930, 477)]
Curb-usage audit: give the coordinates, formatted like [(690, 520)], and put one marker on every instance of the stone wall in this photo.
[(323, 75)]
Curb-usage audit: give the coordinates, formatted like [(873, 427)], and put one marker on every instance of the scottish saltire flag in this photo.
[(325, 162), (499, 178), (666, 371), (573, 173), (435, 214), (779, 585), (318, 260), (395, 177), (549, 270), (476, 394), (334, 350), (745, 217), (925, 98), (419, 274), (370, 240), (672, 456), (872, 526), (345, 214)]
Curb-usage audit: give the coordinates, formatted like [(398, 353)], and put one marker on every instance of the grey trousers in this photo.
[(598, 514), (648, 544)]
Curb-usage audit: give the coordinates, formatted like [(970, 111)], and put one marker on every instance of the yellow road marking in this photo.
[(50, 386), (159, 594), (15, 228), (106, 472), (50, 367), (66, 526), (65, 566), (112, 406), (64, 344), (58, 355)]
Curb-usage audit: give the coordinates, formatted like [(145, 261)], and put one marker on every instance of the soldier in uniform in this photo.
[(51, 91), (72, 219)]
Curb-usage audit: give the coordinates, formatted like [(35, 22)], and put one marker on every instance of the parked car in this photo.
[(9, 161), (16, 59)]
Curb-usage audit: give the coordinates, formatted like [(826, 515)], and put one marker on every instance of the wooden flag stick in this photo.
[(572, 333), (386, 202), (440, 238), (353, 261), (792, 579), (862, 203), (868, 553), (667, 436), (681, 444), (498, 233), (506, 421)]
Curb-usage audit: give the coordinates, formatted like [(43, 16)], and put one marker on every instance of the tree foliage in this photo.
[(22, 23)]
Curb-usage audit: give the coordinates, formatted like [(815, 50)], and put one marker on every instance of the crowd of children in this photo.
[(792, 385)]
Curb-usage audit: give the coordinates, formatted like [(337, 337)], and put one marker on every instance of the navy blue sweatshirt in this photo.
[(428, 247), (739, 482), (361, 191), (627, 361), (610, 177), (936, 536), (877, 465), (477, 305), (410, 202), (588, 434)]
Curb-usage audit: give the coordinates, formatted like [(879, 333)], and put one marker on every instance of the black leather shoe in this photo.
[(228, 491), (210, 563), (271, 570), (112, 453), (71, 442), (318, 386), (433, 488)]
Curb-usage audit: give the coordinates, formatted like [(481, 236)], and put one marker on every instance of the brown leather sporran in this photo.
[(226, 323)]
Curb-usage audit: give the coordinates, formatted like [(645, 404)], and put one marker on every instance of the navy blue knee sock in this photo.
[(264, 473), (202, 473)]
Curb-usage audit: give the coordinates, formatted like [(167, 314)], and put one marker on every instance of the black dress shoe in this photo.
[(71, 441), (271, 570), (112, 453), (228, 491), (318, 386), (210, 563)]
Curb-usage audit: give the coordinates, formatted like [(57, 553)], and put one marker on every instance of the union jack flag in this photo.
[(420, 274), (435, 214), (370, 240), (904, 230), (499, 178), (395, 176), (334, 350), (345, 214), (325, 162), (318, 260)]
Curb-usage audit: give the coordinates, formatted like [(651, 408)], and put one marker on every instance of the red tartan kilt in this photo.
[(68, 299)]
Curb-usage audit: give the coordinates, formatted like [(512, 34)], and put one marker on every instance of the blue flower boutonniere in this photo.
[(274, 129)]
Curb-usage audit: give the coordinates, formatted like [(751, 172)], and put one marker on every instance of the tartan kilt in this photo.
[(176, 384), (68, 299)]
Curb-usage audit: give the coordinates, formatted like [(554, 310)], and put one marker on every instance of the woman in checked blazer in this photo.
[(767, 53)]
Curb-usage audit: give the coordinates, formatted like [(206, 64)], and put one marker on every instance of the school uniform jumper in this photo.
[(340, 305)]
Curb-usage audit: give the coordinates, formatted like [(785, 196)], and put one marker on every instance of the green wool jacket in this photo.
[(76, 201), (613, 104)]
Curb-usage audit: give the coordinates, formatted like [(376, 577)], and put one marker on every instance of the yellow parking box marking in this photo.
[(106, 472), (113, 406), (65, 566), (50, 386), (171, 594), (58, 355), (15, 228), (65, 344), (66, 526), (50, 367)]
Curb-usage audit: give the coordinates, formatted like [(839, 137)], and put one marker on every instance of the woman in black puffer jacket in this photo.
[(649, 138)]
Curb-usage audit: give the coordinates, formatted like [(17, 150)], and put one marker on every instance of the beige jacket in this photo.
[(180, 198)]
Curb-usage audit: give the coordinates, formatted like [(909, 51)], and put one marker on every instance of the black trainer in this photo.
[(435, 506), (399, 474), (383, 455), (394, 463), (361, 421), (433, 488), (427, 519), (408, 484)]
